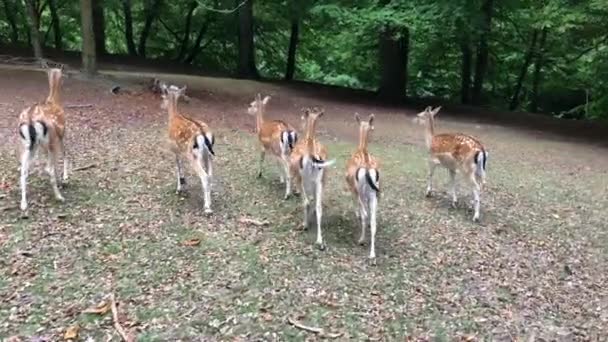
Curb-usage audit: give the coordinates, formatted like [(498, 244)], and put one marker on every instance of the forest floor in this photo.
[(535, 267)]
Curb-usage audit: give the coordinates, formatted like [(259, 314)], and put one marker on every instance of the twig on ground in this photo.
[(8, 207), (88, 105), (86, 167), (117, 326), (319, 331), (246, 220)]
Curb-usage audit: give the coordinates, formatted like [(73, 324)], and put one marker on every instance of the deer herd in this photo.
[(303, 160)]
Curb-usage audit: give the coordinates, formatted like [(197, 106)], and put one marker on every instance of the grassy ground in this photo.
[(536, 266)]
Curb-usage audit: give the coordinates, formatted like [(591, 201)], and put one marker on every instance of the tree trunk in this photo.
[(465, 78), (246, 62), (393, 53), (186, 38), (88, 37), (126, 7), (99, 27), (291, 53), (197, 42), (481, 64), (523, 71), (10, 16), (152, 11), (34, 23), (56, 24), (538, 65)]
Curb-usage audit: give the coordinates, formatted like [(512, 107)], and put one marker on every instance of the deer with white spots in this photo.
[(191, 141), (275, 137), (459, 153), (307, 165), (42, 131), (363, 179)]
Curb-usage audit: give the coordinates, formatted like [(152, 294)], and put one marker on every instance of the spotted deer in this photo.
[(275, 137), (190, 140), (458, 153), (42, 131), (308, 161), (363, 179)]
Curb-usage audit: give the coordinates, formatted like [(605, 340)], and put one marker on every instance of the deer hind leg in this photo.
[(453, 187), (476, 197), (373, 206), (319, 209), (286, 171), (66, 163), (204, 176), (52, 170), (429, 187), (363, 217), (25, 165), (181, 180), (305, 201)]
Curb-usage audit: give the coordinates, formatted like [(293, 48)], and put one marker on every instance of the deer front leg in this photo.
[(319, 210), (363, 219), (52, 170), (453, 188), (261, 162), (429, 188), (204, 176), (373, 207), (181, 180), (66, 162)]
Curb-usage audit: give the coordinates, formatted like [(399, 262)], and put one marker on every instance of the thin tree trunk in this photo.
[(88, 37), (246, 61), (126, 7), (465, 77), (10, 16), (291, 53), (196, 48), (152, 11), (34, 24), (538, 65), (184, 45), (523, 71), (481, 64), (393, 53), (99, 27)]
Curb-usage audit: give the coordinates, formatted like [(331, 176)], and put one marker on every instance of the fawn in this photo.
[(458, 153), (42, 129), (307, 167), (190, 140), (275, 137), (363, 179)]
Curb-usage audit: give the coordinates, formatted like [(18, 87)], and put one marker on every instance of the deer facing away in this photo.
[(458, 153), (276, 137), (308, 161), (42, 130), (363, 179), (190, 140)]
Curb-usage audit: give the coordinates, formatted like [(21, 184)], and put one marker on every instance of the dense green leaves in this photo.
[(338, 43)]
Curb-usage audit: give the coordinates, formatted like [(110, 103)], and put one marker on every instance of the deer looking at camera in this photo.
[(363, 179), (275, 137), (308, 161), (191, 140), (42, 130), (458, 153)]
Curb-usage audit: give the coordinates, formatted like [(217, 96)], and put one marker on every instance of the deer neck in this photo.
[(363, 139), (429, 131), (172, 107), (259, 119), (310, 135)]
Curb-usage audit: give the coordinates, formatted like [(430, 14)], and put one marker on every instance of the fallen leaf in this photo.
[(192, 242), (99, 309), (71, 333), (245, 220), (267, 317)]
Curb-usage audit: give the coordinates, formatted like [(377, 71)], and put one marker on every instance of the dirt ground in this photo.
[(536, 267)]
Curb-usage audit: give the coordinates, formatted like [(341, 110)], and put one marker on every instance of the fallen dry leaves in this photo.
[(100, 309), (71, 333), (191, 242)]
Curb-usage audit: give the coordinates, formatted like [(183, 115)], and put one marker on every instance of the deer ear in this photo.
[(428, 109), (436, 110), (182, 91), (357, 117), (371, 120), (266, 99), (305, 112)]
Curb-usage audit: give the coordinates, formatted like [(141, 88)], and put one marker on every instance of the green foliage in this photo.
[(338, 43)]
